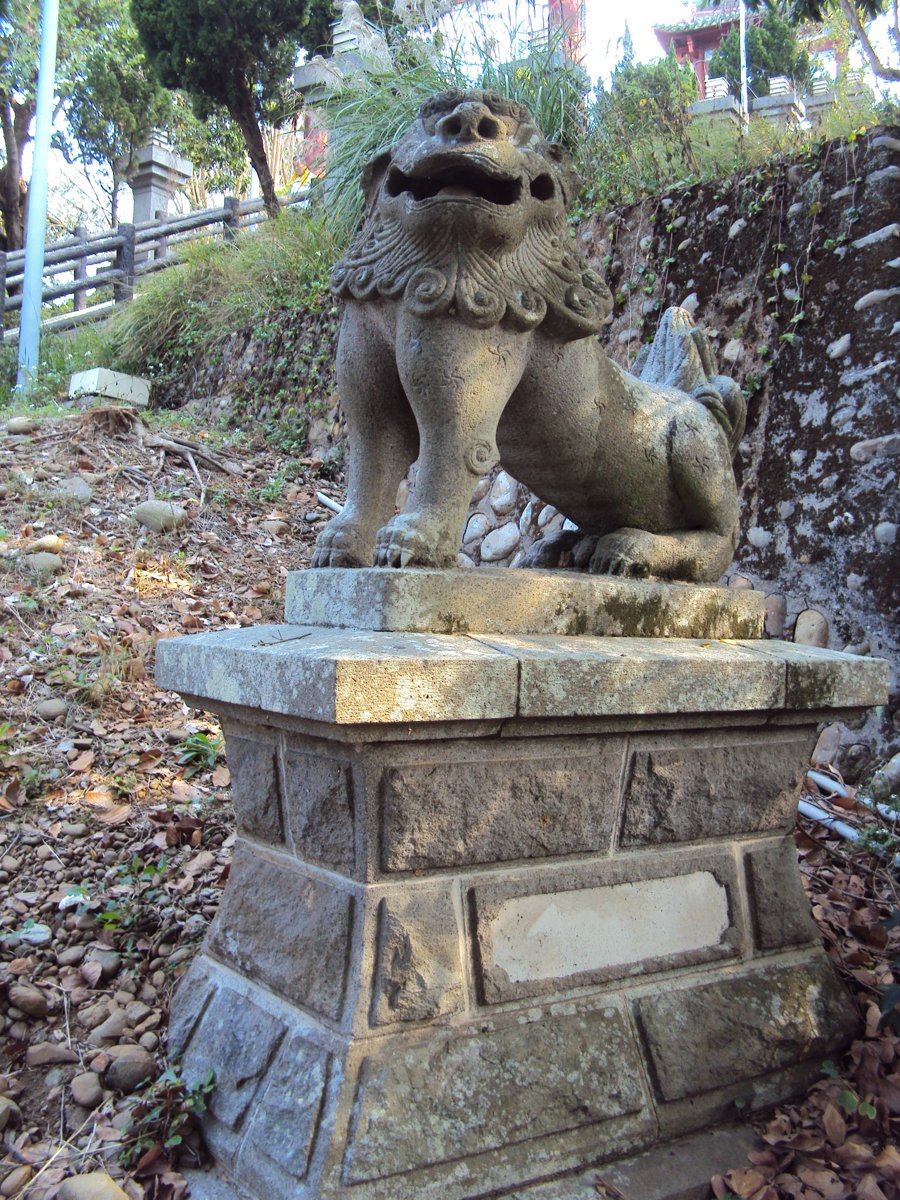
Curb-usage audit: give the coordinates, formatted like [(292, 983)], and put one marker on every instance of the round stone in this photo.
[(504, 494), (776, 611), (811, 629), (130, 1067), (20, 425), (500, 543), (86, 1090), (49, 710), (44, 564), (886, 533), (95, 1185), (159, 516), (29, 999), (476, 527)]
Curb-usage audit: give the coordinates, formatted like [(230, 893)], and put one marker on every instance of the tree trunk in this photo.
[(11, 197), (243, 113), (878, 68), (114, 199)]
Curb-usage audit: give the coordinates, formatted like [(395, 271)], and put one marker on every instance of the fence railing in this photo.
[(80, 266)]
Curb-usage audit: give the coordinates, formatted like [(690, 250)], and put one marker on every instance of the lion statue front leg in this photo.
[(457, 389)]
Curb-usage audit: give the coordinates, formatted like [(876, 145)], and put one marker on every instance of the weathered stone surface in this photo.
[(418, 971), (780, 910), (567, 926), (481, 810), (588, 676), (463, 1093), (236, 1039), (286, 1116), (818, 678), (318, 803), (760, 1022), (346, 678), (273, 917), (189, 1003), (255, 787), (699, 790), (620, 455), (497, 600)]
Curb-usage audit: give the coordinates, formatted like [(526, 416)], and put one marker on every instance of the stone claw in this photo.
[(625, 553), (339, 545), (549, 550)]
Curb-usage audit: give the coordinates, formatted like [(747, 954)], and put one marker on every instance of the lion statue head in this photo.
[(466, 215)]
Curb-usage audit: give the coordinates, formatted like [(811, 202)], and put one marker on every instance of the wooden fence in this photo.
[(81, 265)]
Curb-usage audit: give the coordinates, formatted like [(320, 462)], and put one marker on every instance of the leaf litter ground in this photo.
[(116, 827)]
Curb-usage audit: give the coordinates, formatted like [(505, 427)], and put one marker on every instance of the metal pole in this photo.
[(745, 101), (36, 227)]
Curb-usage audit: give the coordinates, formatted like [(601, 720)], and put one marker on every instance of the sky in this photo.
[(604, 26)]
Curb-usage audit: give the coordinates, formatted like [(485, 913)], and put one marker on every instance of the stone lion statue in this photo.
[(469, 338)]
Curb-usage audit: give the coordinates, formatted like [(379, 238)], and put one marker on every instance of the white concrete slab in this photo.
[(557, 934)]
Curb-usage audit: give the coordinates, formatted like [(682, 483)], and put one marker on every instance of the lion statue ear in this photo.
[(569, 179), (373, 173)]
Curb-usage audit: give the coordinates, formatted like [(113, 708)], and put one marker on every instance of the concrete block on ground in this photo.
[(110, 385)]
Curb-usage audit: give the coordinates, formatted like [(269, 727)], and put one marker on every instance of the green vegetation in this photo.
[(773, 48), (633, 139), (239, 58)]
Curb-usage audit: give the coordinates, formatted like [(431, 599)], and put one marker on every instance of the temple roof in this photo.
[(704, 17)]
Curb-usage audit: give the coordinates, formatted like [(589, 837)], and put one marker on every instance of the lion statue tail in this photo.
[(681, 357)]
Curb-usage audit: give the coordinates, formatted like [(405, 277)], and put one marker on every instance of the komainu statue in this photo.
[(469, 338)]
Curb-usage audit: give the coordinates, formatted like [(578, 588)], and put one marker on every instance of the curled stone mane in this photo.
[(540, 280)]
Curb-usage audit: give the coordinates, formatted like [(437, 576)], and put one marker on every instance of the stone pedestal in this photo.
[(158, 174), (502, 906)]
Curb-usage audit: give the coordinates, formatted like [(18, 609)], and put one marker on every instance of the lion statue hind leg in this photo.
[(549, 551)]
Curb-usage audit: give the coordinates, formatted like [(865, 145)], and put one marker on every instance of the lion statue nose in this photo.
[(470, 121)]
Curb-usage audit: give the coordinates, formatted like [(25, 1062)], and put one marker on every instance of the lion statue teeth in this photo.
[(469, 338)]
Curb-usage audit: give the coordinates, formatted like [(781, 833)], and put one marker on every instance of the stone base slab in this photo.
[(487, 922), (360, 677), (679, 1170), (499, 600)]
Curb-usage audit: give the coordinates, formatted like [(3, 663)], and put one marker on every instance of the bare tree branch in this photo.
[(850, 11)]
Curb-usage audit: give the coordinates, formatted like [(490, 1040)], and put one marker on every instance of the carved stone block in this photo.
[(486, 810), (418, 966), (780, 912), (691, 790), (274, 916), (707, 1035), (462, 1094)]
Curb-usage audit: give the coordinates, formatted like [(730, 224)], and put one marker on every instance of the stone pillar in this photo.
[(160, 172), (506, 901)]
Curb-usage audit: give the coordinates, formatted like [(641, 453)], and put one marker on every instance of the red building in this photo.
[(695, 40)]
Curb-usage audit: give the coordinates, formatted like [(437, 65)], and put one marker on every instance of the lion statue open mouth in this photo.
[(468, 339)]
